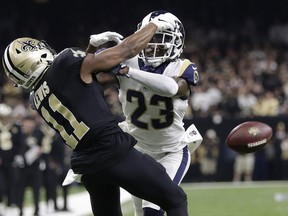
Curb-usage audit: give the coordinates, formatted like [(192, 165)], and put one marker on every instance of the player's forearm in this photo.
[(157, 83), (138, 41)]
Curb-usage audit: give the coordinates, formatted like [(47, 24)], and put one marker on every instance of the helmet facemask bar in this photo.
[(166, 45), (158, 49), (46, 45)]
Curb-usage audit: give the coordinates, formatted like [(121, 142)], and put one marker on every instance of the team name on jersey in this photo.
[(40, 94)]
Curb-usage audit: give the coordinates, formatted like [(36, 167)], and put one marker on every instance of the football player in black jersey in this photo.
[(71, 101)]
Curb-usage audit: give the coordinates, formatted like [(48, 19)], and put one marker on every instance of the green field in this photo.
[(230, 199)]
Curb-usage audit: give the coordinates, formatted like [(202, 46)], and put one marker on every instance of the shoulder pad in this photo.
[(189, 72), (69, 56)]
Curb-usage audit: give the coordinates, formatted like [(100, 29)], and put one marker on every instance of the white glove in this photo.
[(99, 39), (71, 177), (164, 21)]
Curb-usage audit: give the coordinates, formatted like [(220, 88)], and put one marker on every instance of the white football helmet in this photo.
[(165, 45), (25, 59)]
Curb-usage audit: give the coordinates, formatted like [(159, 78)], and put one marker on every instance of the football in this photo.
[(249, 137)]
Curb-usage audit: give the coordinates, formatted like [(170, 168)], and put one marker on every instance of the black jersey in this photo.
[(79, 113)]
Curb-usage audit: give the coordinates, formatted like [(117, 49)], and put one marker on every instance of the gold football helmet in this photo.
[(26, 59)]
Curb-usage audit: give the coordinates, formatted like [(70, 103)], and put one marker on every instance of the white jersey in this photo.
[(155, 121)]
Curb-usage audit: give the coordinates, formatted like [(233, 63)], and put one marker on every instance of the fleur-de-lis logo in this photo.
[(254, 131), (29, 45)]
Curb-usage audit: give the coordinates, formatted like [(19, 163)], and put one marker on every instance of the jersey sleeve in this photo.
[(189, 72), (66, 62)]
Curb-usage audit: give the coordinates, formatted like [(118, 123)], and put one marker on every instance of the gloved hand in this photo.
[(99, 39), (164, 21)]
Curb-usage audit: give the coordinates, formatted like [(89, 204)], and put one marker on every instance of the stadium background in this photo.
[(216, 31)]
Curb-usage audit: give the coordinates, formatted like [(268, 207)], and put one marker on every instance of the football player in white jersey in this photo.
[(154, 89)]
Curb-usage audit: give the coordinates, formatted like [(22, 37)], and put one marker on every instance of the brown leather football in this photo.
[(249, 137)]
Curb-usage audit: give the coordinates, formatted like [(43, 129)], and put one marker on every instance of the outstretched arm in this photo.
[(158, 83), (128, 48)]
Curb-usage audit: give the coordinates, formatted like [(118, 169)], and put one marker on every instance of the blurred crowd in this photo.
[(242, 61), (239, 76), (32, 156), (243, 72)]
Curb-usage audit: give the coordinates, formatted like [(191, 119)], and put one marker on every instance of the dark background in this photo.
[(65, 23)]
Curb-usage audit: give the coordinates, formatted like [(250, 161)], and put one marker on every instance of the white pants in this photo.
[(176, 165)]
